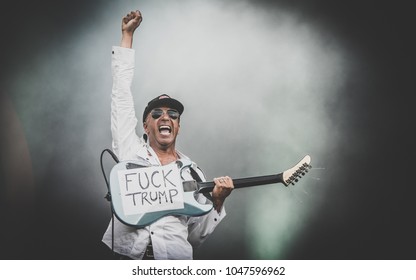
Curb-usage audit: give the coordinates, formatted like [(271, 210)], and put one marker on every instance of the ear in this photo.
[(145, 128)]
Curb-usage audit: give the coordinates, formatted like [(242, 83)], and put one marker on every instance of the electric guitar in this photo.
[(132, 185)]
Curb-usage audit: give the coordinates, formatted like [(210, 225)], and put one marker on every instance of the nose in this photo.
[(165, 116)]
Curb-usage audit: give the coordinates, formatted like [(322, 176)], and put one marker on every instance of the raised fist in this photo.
[(131, 21)]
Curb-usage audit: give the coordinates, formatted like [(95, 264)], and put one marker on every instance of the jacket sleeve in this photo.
[(123, 116)]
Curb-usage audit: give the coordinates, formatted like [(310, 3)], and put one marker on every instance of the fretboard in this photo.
[(245, 182)]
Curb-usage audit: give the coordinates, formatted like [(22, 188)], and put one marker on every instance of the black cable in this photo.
[(108, 195)]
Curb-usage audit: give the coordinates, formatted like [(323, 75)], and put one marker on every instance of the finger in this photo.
[(127, 18), (225, 181), (137, 17), (219, 181), (229, 182), (131, 15)]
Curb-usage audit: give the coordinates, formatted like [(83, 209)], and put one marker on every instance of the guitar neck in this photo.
[(205, 187)]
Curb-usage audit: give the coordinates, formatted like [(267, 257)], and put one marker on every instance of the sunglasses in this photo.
[(157, 113)]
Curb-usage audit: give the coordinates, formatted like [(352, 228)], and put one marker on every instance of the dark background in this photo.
[(376, 222)]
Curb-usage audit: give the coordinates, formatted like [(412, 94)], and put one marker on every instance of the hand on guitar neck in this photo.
[(222, 189)]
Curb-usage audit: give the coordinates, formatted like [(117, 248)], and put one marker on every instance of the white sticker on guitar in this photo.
[(151, 189)]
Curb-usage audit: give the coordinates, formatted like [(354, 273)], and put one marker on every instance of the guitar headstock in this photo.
[(292, 175)]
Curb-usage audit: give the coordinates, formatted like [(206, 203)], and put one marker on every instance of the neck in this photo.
[(166, 156)]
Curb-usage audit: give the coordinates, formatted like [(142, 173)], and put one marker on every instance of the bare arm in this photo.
[(128, 25), (223, 188)]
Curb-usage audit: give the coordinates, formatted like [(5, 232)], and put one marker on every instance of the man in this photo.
[(171, 237)]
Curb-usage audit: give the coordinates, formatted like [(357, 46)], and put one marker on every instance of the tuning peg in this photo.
[(307, 166)]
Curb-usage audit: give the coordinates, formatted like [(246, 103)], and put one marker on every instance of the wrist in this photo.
[(218, 205), (126, 39)]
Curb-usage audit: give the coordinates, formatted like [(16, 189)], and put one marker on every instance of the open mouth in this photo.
[(165, 130)]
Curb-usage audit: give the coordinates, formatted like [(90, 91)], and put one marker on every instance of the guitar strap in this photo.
[(197, 178)]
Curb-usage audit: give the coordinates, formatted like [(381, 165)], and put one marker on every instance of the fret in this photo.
[(205, 187)]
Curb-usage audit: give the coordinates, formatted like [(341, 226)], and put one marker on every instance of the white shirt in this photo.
[(172, 237)]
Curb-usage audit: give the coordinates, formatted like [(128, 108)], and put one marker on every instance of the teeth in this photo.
[(165, 128)]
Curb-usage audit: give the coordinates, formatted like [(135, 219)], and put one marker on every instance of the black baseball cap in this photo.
[(160, 101)]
